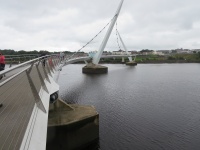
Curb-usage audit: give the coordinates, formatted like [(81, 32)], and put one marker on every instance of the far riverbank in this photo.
[(173, 58)]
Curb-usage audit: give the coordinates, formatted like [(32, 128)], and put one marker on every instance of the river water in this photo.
[(145, 107)]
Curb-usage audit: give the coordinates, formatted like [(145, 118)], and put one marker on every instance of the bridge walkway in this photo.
[(20, 91)]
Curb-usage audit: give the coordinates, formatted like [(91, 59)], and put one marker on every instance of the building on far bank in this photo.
[(165, 51), (107, 53), (146, 52), (183, 51), (133, 52), (120, 52), (158, 53), (92, 53), (195, 50)]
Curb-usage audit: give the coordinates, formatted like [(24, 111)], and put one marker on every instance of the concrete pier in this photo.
[(131, 63), (94, 69), (72, 126)]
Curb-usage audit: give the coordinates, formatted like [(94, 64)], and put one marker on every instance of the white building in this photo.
[(158, 53), (120, 52)]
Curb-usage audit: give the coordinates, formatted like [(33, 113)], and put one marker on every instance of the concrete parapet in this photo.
[(72, 126), (94, 69)]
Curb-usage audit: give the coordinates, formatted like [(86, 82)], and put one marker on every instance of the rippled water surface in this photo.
[(146, 107)]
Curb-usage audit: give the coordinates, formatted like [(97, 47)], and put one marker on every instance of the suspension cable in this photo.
[(92, 38), (117, 37)]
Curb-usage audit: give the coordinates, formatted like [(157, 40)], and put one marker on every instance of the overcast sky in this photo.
[(58, 25)]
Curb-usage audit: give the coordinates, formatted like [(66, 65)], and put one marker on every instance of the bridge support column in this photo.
[(131, 63), (91, 68), (72, 126), (123, 60)]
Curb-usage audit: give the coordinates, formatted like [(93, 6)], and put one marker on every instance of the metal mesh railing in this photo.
[(17, 59), (19, 93)]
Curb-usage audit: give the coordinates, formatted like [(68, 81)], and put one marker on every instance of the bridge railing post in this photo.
[(57, 61), (54, 63), (41, 78), (47, 66), (11, 62), (34, 90), (45, 73), (51, 65)]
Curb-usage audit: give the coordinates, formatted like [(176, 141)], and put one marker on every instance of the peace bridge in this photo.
[(32, 116)]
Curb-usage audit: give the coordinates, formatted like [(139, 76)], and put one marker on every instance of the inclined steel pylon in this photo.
[(97, 56), (130, 58)]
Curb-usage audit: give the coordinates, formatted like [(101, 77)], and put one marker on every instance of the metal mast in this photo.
[(130, 58), (97, 57)]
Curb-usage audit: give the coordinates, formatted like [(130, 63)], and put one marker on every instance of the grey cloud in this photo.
[(61, 24)]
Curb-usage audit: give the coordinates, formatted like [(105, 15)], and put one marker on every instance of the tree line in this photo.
[(36, 52)]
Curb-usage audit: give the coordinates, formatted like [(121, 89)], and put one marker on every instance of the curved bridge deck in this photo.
[(20, 93), (24, 94)]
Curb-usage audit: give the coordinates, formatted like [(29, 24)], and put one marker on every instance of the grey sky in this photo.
[(58, 25)]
